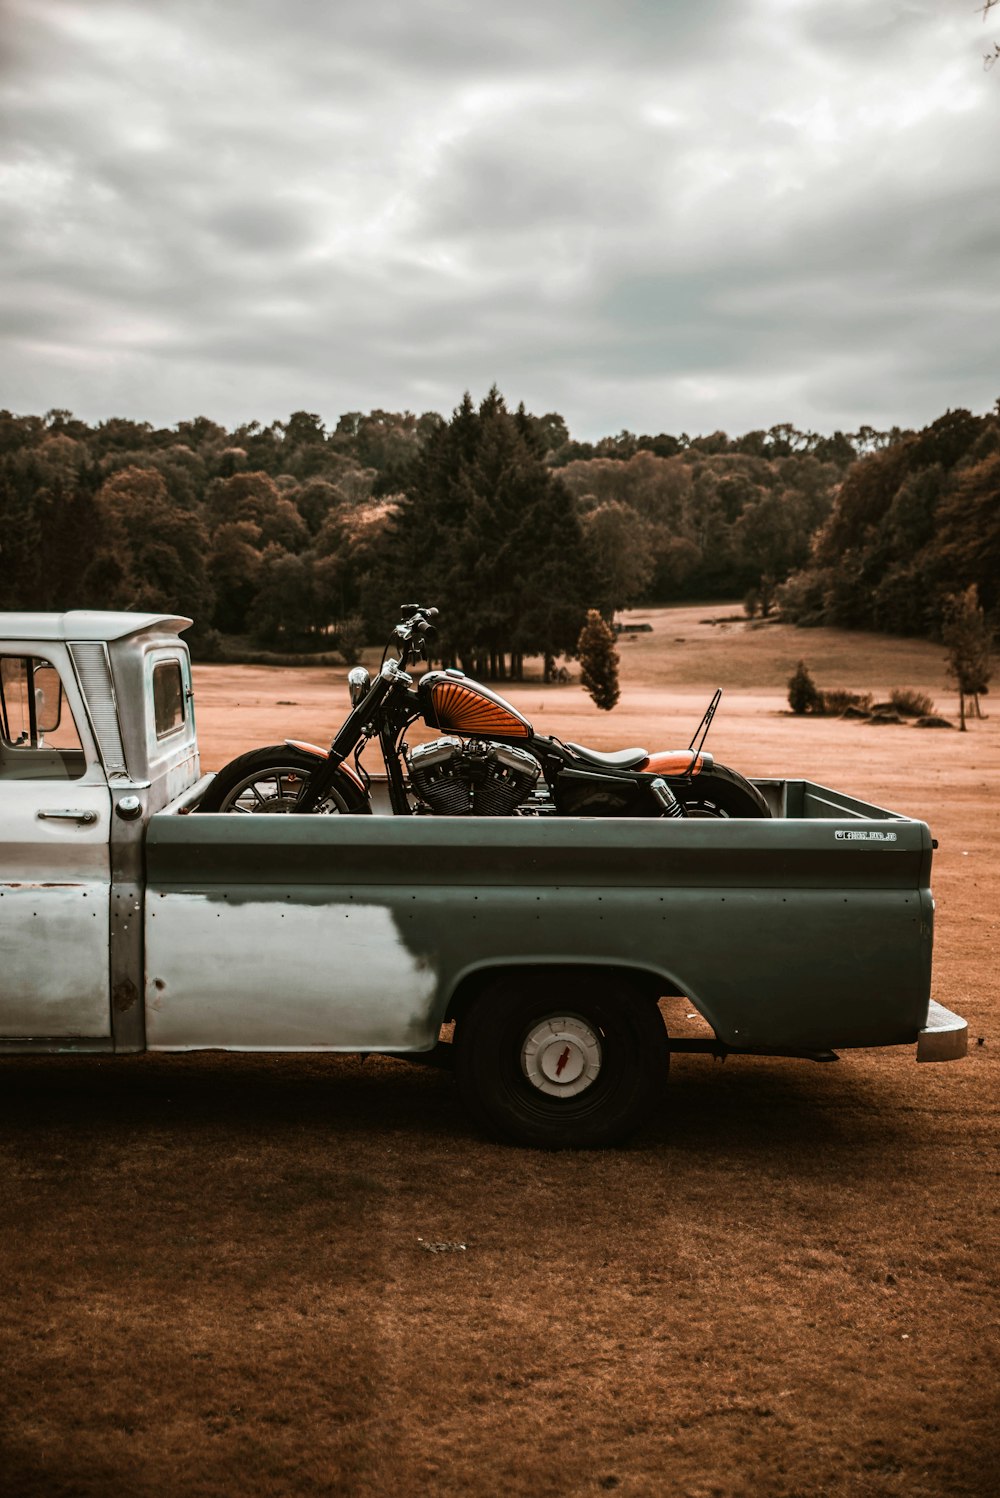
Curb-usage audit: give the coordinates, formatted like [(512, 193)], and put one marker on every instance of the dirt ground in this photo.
[(313, 1275)]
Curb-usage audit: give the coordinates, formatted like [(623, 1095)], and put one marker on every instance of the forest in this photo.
[(294, 538)]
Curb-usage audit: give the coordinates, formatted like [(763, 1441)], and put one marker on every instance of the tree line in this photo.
[(910, 529), (293, 536)]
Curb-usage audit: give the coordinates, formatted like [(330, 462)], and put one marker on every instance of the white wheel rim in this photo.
[(561, 1056)]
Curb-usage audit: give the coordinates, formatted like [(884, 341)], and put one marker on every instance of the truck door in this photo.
[(55, 877)]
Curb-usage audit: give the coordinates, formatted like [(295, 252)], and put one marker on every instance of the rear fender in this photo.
[(676, 763)]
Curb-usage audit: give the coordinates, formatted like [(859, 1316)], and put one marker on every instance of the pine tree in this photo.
[(598, 660), (489, 535), (803, 694)]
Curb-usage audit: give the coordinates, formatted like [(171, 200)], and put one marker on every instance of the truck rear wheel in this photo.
[(567, 1061)]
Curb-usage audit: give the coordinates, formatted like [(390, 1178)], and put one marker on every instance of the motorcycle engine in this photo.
[(478, 779)]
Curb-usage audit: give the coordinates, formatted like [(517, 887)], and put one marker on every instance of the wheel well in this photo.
[(651, 985)]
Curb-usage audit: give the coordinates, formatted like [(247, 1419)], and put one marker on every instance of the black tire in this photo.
[(271, 780), (512, 1043), (720, 792)]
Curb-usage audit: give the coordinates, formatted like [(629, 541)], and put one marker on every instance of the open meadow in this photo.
[(307, 1275)]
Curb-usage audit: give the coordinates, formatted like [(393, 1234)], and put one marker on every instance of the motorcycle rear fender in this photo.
[(676, 763), (319, 753)]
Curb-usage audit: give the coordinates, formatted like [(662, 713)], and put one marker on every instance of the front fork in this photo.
[(326, 774), (326, 777), (392, 757)]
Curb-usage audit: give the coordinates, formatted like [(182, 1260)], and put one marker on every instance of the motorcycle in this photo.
[(488, 761)]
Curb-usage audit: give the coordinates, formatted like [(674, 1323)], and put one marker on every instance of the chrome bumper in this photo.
[(945, 1037)]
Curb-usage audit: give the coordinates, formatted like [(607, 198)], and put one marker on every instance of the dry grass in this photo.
[(213, 1268), (911, 704), (685, 648)]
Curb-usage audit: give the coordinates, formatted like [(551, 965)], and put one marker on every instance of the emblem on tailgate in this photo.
[(864, 836)]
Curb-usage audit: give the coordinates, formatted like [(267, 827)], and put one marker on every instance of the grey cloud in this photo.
[(649, 214), (441, 40), (871, 35), (256, 228)]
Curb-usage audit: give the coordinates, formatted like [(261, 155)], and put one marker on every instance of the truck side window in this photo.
[(168, 698), (38, 737)]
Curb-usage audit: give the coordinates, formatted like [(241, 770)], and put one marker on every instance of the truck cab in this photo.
[(97, 732)]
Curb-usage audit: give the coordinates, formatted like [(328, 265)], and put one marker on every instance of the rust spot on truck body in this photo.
[(124, 995)]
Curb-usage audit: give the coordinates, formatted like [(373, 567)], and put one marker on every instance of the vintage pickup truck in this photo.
[(543, 945)]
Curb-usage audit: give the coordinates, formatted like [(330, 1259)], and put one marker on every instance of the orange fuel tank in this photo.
[(454, 702)]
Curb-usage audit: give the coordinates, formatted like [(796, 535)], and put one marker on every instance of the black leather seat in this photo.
[(618, 759)]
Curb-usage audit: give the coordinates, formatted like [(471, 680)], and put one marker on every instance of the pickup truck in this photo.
[(530, 952)]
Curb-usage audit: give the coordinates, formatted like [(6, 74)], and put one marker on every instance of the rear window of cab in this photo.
[(168, 698)]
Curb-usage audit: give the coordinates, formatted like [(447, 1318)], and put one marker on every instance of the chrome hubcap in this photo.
[(561, 1056)]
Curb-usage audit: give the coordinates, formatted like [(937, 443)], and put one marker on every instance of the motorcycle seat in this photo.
[(618, 759)]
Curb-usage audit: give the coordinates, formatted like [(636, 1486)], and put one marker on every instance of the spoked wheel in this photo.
[(268, 782), (566, 1061), (274, 791)]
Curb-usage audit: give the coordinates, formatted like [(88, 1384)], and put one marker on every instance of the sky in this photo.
[(659, 215)]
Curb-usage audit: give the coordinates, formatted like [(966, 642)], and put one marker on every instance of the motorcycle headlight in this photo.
[(358, 684)]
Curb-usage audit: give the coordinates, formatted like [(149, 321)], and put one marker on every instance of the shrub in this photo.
[(836, 700), (910, 704), (803, 694), (349, 634)]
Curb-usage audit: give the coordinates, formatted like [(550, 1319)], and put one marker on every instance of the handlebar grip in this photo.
[(415, 626)]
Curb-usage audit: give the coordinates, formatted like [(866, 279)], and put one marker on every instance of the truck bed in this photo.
[(805, 932)]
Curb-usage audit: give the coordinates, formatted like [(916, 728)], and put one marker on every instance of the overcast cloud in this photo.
[(645, 213)]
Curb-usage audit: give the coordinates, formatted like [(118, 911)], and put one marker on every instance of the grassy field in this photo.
[(244, 1274)]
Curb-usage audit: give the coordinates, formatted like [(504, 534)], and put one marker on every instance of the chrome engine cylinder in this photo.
[(480, 779)]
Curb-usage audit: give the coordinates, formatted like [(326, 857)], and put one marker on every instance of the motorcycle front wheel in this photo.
[(271, 780)]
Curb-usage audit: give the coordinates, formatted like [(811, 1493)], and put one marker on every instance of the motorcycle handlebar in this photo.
[(416, 624)]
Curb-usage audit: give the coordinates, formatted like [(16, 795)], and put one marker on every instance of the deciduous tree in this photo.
[(618, 540), (161, 548), (969, 639)]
